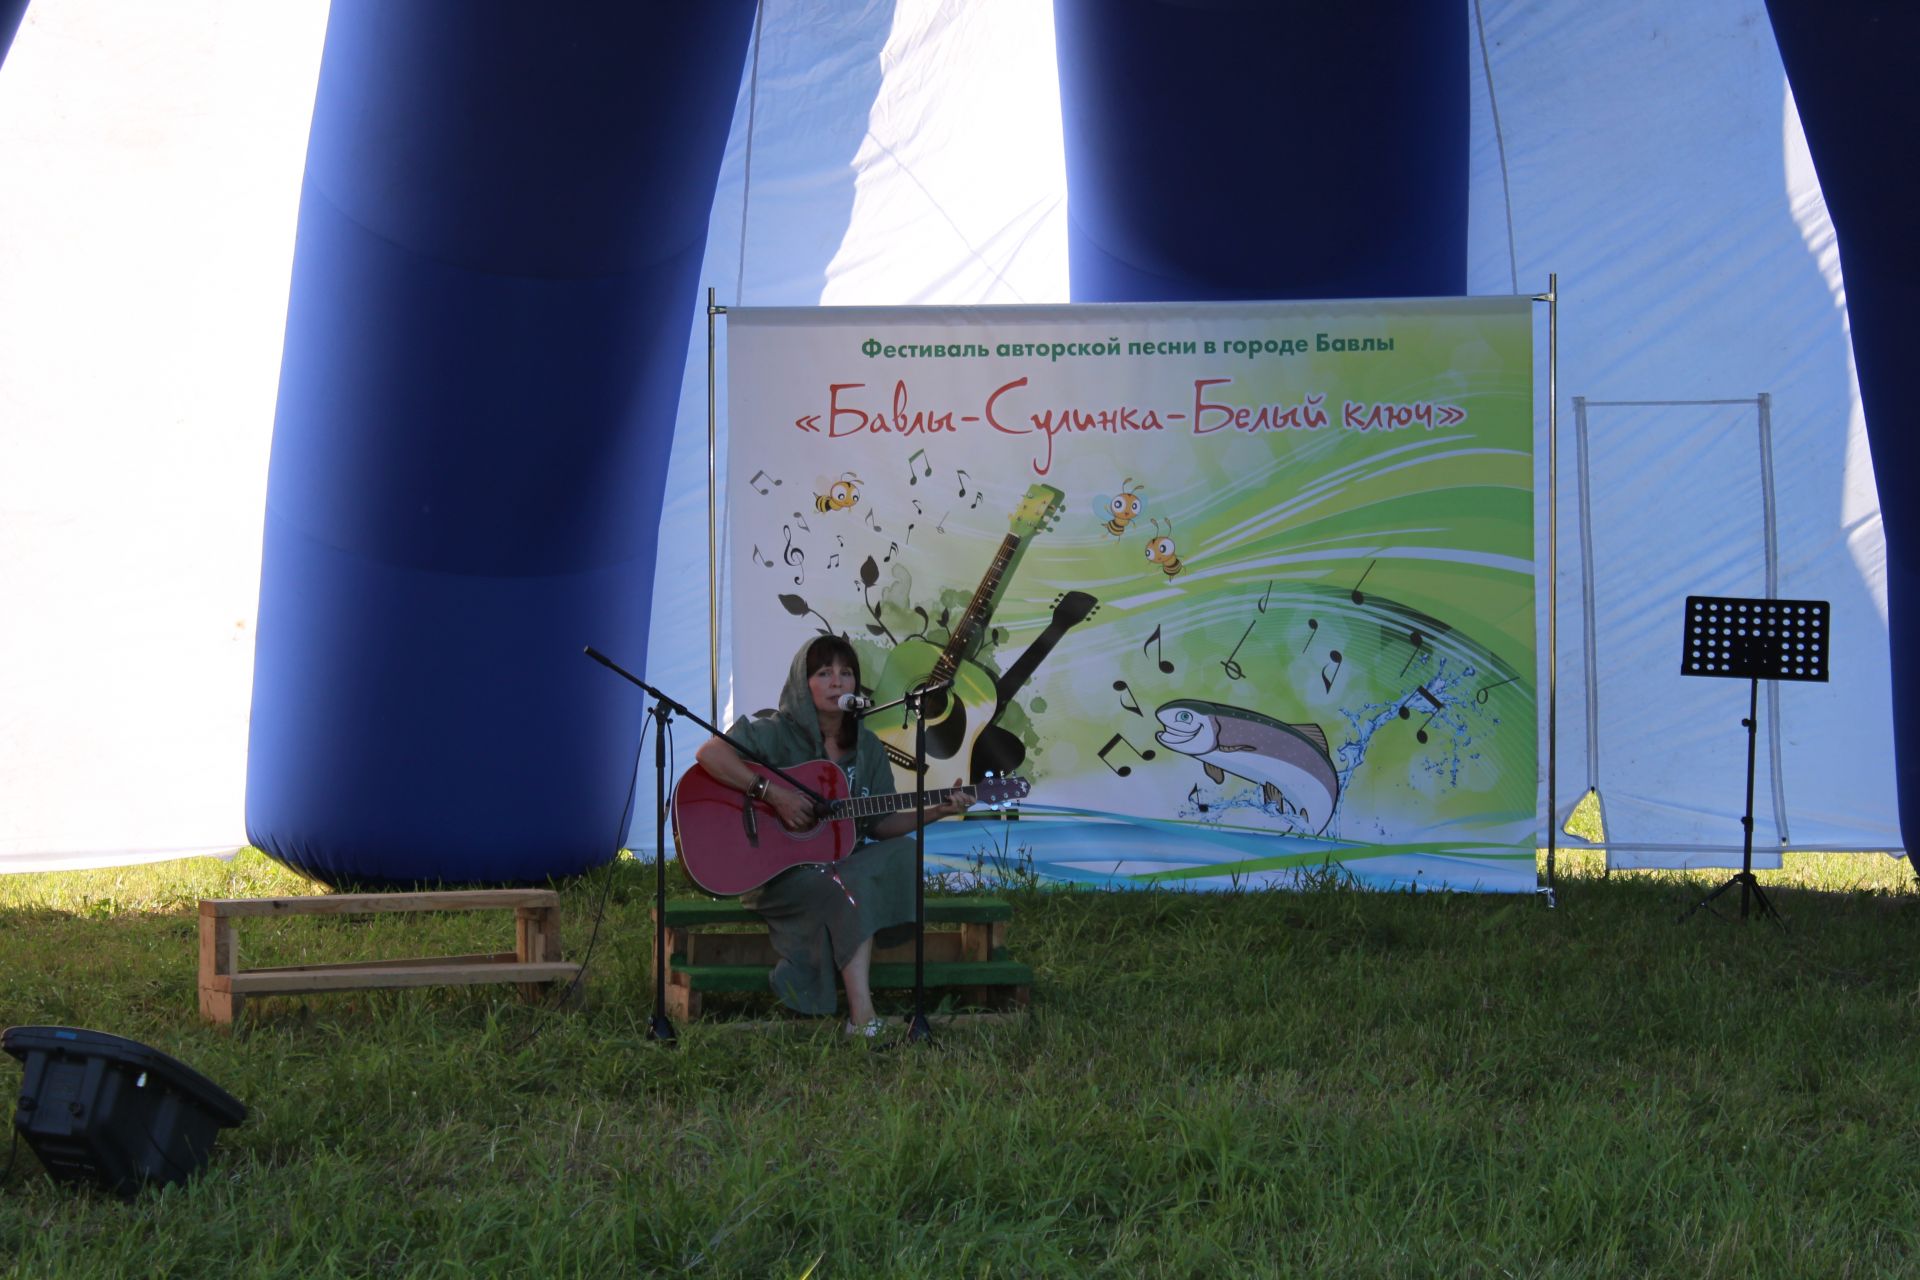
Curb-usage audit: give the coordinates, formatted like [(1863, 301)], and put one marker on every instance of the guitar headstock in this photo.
[(999, 793), (1074, 608), (1041, 505)]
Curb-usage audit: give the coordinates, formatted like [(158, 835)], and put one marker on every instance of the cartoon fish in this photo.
[(1290, 763)]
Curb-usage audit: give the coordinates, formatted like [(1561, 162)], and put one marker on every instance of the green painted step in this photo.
[(957, 973), (688, 912)]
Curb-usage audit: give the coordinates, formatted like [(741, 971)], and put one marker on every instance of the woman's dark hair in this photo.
[(829, 649)]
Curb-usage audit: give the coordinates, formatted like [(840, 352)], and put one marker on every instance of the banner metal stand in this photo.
[(713, 508), (1552, 298)]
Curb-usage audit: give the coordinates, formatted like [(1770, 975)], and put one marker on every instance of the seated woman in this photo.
[(823, 919)]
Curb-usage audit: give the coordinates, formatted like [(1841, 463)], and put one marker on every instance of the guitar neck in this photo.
[(877, 806), (985, 597), (1057, 627)]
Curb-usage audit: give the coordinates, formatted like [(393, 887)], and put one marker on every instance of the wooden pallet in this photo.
[(965, 954), (532, 964)]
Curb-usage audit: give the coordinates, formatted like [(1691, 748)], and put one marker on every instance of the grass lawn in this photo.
[(1329, 1082)]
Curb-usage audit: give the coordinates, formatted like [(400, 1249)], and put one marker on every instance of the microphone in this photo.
[(854, 702)]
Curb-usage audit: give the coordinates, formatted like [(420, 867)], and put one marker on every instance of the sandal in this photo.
[(869, 1029)]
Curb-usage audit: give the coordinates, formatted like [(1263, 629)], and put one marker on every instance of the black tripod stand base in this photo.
[(661, 1029), (919, 1030), (1749, 884)]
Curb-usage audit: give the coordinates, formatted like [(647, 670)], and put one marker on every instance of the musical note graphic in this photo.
[(919, 455), (893, 549), (871, 521), (1420, 734), (758, 487), (917, 508), (1127, 699), (794, 556), (839, 540), (1262, 606), (977, 495), (760, 559), (909, 538), (833, 561), (963, 484), (1166, 668), (942, 526), (1358, 598), (802, 522), (1233, 669), (1123, 770), (1193, 798), (1313, 626), (1325, 679), (1481, 694), (1419, 643)]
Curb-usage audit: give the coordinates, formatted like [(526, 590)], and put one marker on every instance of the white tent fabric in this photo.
[(152, 157), (911, 153), (1653, 159)]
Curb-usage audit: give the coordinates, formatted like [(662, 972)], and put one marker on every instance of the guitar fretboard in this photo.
[(876, 806), (977, 608)]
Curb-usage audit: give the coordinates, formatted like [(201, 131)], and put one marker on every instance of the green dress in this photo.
[(819, 916)]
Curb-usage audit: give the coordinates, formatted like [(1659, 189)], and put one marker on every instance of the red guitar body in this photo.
[(729, 844)]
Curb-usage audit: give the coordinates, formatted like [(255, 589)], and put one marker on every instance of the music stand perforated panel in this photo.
[(1748, 639)]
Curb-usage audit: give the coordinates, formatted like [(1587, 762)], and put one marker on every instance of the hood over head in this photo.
[(796, 697)]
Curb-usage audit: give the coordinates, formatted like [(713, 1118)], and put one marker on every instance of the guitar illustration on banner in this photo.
[(956, 715), (729, 844), (996, 750)]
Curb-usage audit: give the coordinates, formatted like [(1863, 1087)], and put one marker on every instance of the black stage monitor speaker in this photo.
[(112, 1112)]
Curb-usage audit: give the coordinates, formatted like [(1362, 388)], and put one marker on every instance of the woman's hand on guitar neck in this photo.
[(955, 804)]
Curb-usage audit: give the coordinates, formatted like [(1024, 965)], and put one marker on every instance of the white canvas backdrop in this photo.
[(151, 157), (1653, 159), (1648, 153)]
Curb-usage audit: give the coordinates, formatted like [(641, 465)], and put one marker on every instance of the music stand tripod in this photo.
[(1753, 639)]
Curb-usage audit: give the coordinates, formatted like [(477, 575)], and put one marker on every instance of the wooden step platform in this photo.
[(966, 954), (533, 964)]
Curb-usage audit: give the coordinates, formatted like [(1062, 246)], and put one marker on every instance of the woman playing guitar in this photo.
[(825, 918)]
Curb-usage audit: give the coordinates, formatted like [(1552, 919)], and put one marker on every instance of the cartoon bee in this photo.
[(1160, 550), (840, 494), (1121, 507)]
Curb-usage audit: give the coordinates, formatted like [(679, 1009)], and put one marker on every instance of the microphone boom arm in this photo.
[(680, 709)]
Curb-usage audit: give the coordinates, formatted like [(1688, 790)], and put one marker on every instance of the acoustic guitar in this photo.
[(956, 715), (729, 844)]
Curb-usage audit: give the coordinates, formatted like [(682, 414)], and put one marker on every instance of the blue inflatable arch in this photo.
[(503, 218), (500, 231)]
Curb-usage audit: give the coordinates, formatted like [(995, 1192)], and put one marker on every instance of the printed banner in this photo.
[(1244, 591)]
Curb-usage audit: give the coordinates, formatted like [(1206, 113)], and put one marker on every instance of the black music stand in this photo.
[(1753, 640)]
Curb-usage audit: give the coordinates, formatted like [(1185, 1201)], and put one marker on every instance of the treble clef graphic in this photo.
[(794, 556)]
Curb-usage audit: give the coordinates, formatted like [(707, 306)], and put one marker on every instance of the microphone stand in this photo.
[(919, 1030), (663, 710)]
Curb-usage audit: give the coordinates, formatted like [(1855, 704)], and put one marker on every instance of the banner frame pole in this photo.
[(1552, 298), (713, 549)]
